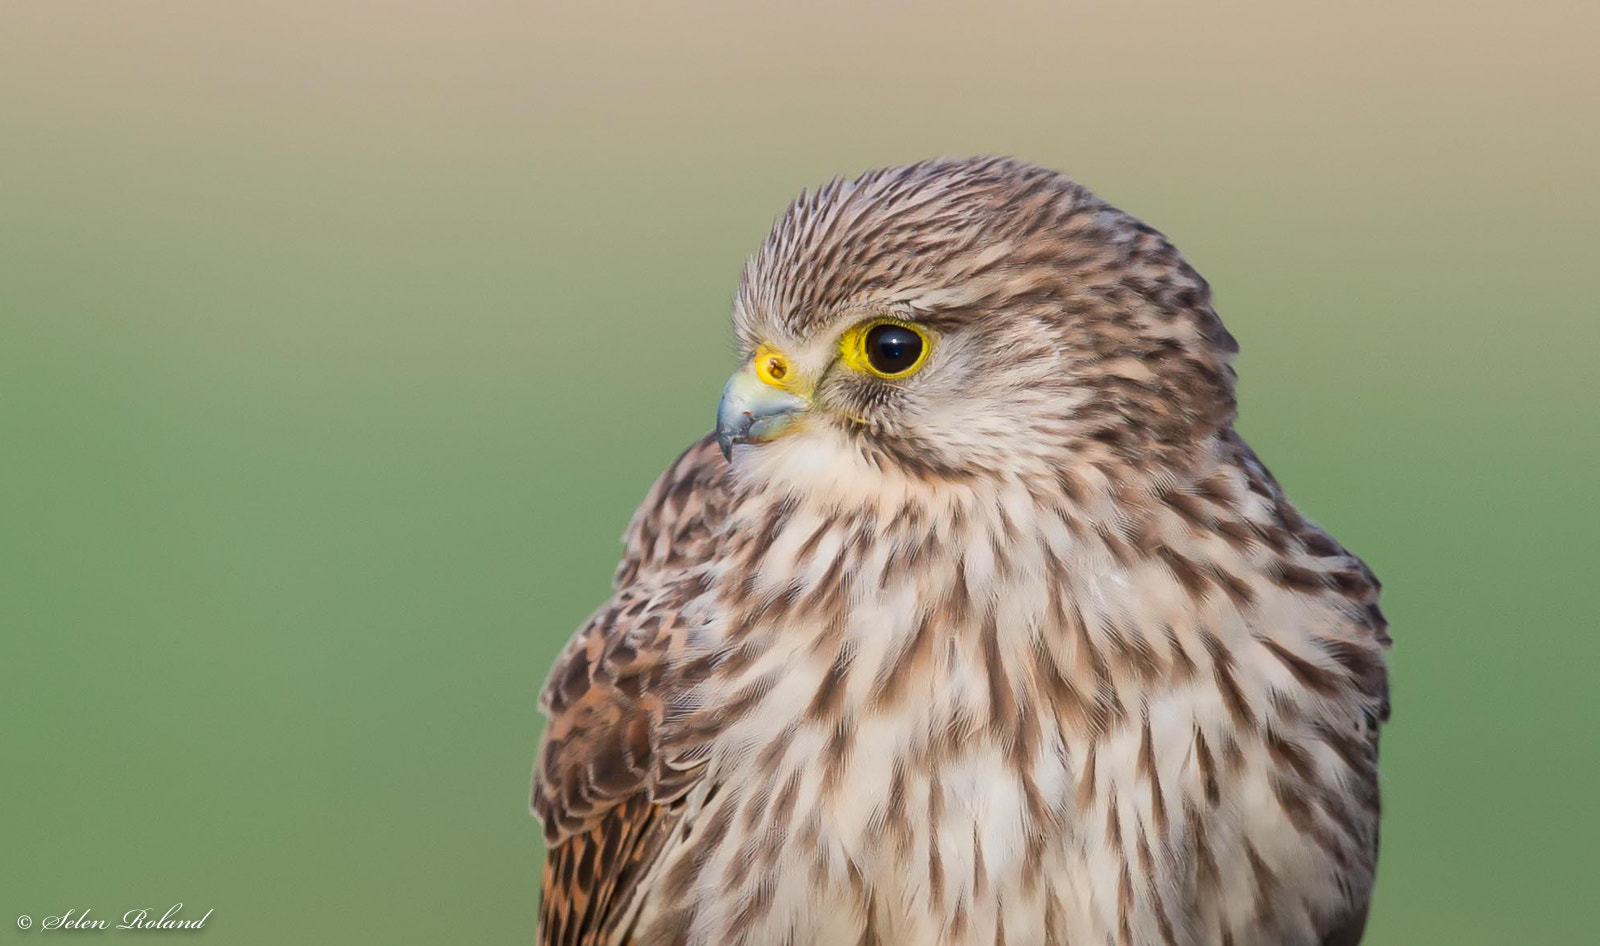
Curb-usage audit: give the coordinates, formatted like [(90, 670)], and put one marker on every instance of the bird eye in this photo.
[(892, 349)]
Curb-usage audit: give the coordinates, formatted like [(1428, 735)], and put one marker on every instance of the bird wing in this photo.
[(610, 780)]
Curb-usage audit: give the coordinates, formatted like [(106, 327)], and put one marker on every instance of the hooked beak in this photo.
[(752, 411)]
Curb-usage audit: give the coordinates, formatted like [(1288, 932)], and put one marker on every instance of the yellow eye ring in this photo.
[(886, 348)]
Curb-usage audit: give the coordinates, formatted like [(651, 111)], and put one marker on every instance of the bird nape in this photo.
[(974, 621)]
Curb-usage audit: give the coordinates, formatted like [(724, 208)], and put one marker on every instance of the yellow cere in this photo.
[(853, 347), (773, 367)]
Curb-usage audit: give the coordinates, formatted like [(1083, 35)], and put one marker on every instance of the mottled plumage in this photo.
[(1024, 647)]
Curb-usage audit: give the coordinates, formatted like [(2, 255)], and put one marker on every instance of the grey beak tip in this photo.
[(750, 411)]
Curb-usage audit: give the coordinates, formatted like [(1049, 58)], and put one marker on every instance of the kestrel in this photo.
[(975, 621)]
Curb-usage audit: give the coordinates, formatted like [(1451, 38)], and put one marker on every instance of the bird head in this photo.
[(962, 320)]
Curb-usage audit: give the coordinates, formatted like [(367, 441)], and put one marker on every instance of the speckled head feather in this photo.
[(1093, 317), (1009, 638)]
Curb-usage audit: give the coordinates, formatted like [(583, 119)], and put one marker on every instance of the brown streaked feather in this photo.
[(608, 771), (674, 528), (590, 879)]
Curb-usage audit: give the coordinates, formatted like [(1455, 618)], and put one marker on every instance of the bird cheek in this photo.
[(838, 403)]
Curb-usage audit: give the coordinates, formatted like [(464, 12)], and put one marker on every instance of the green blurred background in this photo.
[(338, 342)]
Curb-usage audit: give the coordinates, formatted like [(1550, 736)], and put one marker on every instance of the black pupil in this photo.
[(892, 349)]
